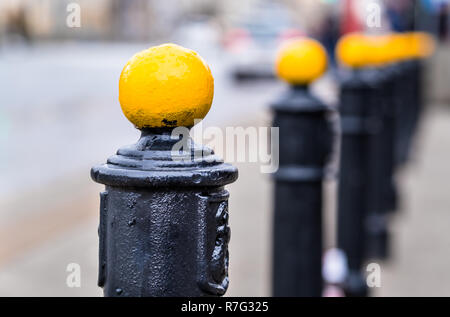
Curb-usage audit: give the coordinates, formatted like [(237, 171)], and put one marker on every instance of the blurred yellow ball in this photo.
[(301, 61), (165, 86), (398, 47), (353, 50), (421, 44), (378, 50)]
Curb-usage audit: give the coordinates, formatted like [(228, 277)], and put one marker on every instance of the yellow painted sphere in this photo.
[(398, 47), (421, 44), (301, 61), (352, 50), (378, 50), (387, 49), (165, 86)]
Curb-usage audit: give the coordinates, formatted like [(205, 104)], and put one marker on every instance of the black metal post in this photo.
[(377, 223), (404, 86), (306, 143), (163, 221), (393, 106), (360, 177), (410, 105), (417, 88)]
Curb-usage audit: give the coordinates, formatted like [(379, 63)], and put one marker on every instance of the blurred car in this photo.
[(253, 40), (199, 33)]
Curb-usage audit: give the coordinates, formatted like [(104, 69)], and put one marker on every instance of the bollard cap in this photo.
[(358, 50), (421, 44), (300, 61), (406, 46), (165, 86), (378, 51), (397, 48), (353, 50)]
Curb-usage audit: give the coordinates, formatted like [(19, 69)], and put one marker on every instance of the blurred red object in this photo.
[(349, 19)]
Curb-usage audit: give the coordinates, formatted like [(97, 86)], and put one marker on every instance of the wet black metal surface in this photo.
[(307, 135), (163, 221)]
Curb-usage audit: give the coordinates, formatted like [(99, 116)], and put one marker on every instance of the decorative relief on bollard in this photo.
[(306, 143), (164, 212)]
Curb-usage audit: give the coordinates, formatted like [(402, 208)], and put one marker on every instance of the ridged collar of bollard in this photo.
[(299, 99), (164, 157)]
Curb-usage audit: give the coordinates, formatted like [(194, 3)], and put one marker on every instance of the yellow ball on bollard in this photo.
[(388, 48), (300, 61), (421, 44), (165, 86), (353, 50), (379, 53), (398, 47)]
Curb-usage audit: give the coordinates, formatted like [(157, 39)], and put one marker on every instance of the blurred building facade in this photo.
[(134, 20), (143, 20)]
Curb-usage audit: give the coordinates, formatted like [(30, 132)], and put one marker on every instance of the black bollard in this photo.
[(405, 111), (306, 143), (306, 140), (377, 222), (360, 180), (163, 223), (393, 106), (164, 212), (411, 108), (417, 67)]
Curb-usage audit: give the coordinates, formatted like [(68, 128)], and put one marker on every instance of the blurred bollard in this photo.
[(416, 47), (306, 144), (362, 156), (397, 57), (400, 55), (380, 104), (406, 110), (391, 96), (164, 213)]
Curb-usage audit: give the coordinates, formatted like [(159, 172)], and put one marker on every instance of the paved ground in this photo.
[(49, 205), (422, 239)]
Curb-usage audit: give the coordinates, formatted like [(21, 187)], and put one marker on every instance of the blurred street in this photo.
[(60, 116), (53, 196), (49, 211)]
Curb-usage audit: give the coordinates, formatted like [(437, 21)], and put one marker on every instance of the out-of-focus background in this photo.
[(60, 115)]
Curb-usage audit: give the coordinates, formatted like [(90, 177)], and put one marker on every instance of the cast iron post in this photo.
[(306, 142), (366, 155), (359, 171), (164, 212), (406, 106), (382, 97), (418, 46)]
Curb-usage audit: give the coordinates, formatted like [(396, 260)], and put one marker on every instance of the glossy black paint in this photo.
[(307, 138), (164, 219)]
